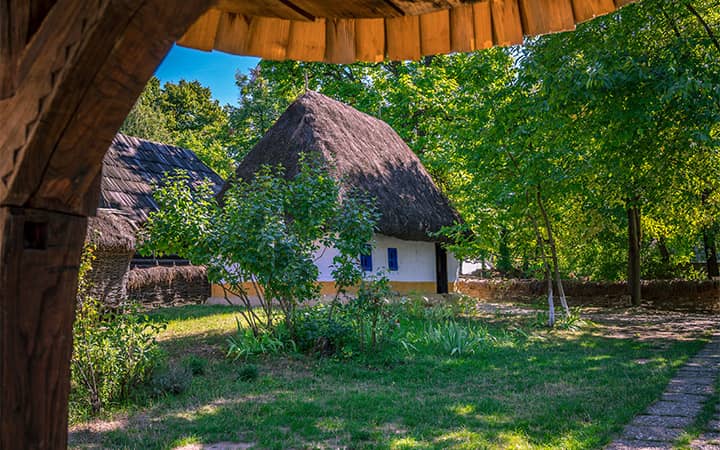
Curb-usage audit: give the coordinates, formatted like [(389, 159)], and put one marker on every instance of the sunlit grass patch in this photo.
[(566, 390)]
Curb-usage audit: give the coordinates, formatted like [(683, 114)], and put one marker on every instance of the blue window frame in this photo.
[(366, 260), (392, 259)]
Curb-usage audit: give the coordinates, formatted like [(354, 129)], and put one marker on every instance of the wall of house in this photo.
[(416, 268), (416, 263)]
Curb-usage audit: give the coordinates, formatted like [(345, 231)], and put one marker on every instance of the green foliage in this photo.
[(421, 307), (523, 393), (595, 126), (197, 365), (171, 380), (248, 372), (365, 322), (113, 350), (572, 322), (258, 108), (246, 343), (186, 115), (323, 330), (265, 234), (373, 318), (457, 339)]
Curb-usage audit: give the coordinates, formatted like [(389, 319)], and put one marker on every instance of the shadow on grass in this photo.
[(558, 391)]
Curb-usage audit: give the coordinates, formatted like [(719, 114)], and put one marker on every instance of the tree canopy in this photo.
[(604, 140)]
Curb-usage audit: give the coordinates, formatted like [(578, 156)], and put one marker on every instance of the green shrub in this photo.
[(248, 372), (195, 364), (572, 322), (372, 314), (246, 343), (174, 379), (456, 339), (323, 329), (420, 307), (439, 312), (113, 351)]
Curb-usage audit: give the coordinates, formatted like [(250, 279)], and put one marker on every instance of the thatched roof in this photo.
[(111, 230), (362, 152), (133, 166)]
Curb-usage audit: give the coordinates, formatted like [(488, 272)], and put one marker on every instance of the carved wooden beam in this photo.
[(78, 76), (373, 30), (19, 19)]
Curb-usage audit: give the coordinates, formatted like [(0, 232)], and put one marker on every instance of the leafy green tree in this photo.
[(637, 112), (260, 241), (146, 120), (258, 108), (186, 115)]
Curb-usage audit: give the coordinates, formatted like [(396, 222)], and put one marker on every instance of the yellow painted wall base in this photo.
[(328, 288)]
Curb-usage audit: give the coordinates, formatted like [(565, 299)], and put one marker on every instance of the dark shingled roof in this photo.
[(362, 152), (131, 167)]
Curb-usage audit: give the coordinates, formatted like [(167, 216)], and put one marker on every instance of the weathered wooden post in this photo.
[(70, 70)]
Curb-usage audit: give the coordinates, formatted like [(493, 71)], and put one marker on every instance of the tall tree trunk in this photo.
[(504, 263), (546, 267), (664, 252), (710, 253), (634, 286), (553, 252)]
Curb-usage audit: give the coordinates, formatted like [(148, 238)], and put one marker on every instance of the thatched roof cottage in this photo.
[(131, 169), (364, 152)]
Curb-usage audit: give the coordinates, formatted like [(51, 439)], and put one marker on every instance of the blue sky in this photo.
[(213, 69)]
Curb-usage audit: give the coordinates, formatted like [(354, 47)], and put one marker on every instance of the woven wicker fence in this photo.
[(109, 275), (166, 286)]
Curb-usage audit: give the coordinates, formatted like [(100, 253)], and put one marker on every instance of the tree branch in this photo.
[(705, 25)]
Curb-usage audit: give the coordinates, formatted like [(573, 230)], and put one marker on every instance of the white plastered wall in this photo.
[(416, 260)]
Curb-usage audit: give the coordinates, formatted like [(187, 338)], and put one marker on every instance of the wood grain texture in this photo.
[(37, 305), (347, 9), (90, 98), (19, 20), (201, 35), (54, 44), (289, 29), (232, 35), (507, 26), (547, 16), (402, 35), (370, 40), (588, 9), (306, 41), (261, 8), (340, 41), (335, 9), (82, 70), (14, 21), (268, 37), (482, 18), (462, 34), (621, 3), (435, 33)]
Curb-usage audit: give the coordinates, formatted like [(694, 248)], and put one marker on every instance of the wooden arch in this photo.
[(70, 70)]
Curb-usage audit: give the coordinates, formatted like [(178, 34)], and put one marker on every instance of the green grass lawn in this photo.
[(529, 390)]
